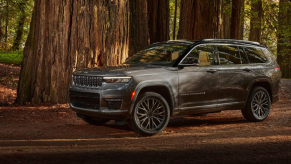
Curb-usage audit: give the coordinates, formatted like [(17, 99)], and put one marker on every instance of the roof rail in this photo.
[(181, 40), (231, 40)]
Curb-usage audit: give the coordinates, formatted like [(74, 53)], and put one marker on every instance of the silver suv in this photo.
[(179, 78)]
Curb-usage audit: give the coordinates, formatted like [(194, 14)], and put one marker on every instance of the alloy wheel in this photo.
[(260, 105), (150, 114)]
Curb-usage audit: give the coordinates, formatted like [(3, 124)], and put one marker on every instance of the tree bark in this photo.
[(241, 23), (284, 46), (226, 21), (6, 24), (220, 27), (139, 31), (198, 19), (158, 20), (236, 19), (69, 35), (19, 29), (1, 32), (255, 23), (175, 20)]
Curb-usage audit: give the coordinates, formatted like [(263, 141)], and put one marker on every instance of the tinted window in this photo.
[(255, 55), (244, 59), (202, 55), (268, 54), (228, 54), (158, 54)]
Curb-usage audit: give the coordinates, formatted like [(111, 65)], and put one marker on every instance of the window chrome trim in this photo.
[(213, 44), (116, 77)]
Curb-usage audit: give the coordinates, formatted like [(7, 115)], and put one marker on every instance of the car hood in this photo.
[(120, 70)]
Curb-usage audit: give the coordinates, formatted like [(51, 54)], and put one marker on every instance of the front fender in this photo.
[(144, 84)]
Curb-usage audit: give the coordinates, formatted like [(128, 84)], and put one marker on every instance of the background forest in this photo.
[(51, 39)]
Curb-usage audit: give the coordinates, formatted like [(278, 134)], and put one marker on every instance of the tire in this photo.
[(258, 106), (93, 120), (150, 115)]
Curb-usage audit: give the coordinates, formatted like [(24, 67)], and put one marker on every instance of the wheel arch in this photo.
[(265, 83), (162, 88)]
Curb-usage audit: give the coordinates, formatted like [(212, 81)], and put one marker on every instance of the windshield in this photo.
[(160, 54)]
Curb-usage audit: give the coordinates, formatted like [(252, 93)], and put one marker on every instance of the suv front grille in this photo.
[(87, 81)]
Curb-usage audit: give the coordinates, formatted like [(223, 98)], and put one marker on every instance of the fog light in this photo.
[(113, 104)]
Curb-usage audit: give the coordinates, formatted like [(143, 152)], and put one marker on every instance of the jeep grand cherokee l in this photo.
[(179, 78)]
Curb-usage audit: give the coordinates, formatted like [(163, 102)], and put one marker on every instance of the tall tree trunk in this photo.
[(1, 32), (220, 27), (158, 20), (139, 32), (284, 45), (241, 23), (6, 24), (175, 20), (69, 35), (226, 21), (236, 19), (255, 25), (198, 19), (19, 29)]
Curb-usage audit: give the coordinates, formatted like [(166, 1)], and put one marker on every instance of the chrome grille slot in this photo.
[(87, 81)]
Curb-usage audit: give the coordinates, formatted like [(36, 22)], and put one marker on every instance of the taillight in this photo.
[(277, 68)]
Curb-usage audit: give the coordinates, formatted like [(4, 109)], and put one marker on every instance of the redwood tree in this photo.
[(236, 22), (284, 38), (198, 19), (69, 35), (226, 19), (139, 31), (158, 20), (20, 26), (255, 24)]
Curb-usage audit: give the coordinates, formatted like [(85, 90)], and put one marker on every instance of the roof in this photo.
[(232, 41)]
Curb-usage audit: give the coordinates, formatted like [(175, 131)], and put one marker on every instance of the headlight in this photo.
[(116, 79)]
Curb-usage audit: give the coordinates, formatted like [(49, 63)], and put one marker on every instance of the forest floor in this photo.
[(53, 134)]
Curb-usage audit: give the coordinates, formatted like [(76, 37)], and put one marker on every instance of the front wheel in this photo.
[(258, 105), (151, 114)]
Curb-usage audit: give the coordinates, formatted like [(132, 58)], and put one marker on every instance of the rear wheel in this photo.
[(258, 105), (93, 120), (150, 115)]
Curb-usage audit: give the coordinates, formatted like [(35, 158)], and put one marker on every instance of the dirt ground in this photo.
[(53, 134)]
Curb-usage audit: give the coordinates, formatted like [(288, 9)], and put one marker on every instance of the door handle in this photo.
[(247, 70), (212, 70)]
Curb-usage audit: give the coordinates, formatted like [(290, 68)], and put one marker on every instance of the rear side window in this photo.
[(255, 55), (244, 59), (269, 55), (228, 54)]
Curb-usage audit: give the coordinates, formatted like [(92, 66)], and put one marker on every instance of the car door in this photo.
[(235, 75), (198, 79)]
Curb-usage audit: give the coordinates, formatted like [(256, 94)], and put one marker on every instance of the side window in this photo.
[(228, 54), (269, 55), (244, 59), (201, 55), (255, 55)]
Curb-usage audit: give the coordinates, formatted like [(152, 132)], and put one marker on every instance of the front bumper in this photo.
[(102, 113), (96, 101)]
